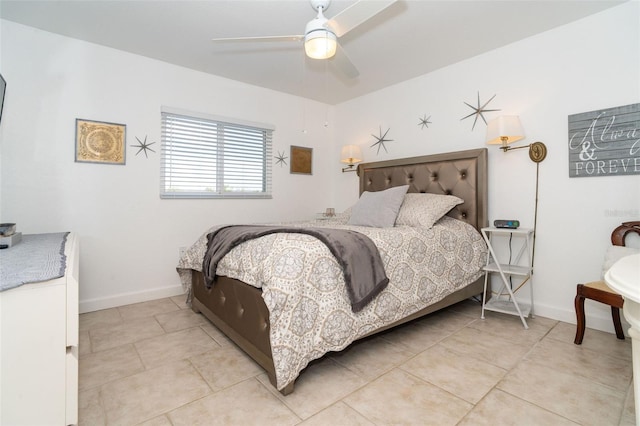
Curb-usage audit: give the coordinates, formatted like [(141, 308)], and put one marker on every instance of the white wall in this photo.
[(591, 64), (129, 236)]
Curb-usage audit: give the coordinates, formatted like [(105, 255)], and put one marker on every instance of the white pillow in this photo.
[(378, 209), (424, 209), (615, 253)]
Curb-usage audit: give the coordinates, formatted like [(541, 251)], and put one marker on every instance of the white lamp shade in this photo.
[(504, 130), (320, 44), (351, 154)]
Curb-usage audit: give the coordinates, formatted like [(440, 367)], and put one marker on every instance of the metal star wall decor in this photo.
[(478, 111), (380, 140), (424, 122), (144, 146), (281, 159)]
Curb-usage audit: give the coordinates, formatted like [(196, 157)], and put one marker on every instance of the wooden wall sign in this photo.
[(605, 142)]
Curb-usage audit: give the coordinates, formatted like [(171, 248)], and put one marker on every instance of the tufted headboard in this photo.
[(461, 173)]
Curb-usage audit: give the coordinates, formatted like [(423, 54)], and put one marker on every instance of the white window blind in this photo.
[(205, 157)]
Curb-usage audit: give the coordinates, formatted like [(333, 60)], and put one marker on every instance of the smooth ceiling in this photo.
[(406, 40)]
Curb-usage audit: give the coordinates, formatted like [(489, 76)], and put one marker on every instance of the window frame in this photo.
[(230, 140)]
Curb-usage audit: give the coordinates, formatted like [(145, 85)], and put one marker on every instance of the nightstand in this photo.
[(518, 268)]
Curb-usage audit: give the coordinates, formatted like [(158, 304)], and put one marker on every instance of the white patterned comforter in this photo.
[(303, 287)]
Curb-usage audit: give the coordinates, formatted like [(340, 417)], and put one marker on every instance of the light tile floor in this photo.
[(158, 363)]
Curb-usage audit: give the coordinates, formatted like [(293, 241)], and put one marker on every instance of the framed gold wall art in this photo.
[(100, 142), (301, 160)]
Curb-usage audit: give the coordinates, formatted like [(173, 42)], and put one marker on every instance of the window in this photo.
[(209, 157)]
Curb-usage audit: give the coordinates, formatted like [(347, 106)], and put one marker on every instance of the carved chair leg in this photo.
[(615, 313), (580, 320)]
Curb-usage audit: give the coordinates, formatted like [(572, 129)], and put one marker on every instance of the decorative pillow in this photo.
[(615, 253), (424, 209), (378, 209)]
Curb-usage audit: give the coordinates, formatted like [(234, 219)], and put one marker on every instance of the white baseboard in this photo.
[(129, 298), (596, 317)]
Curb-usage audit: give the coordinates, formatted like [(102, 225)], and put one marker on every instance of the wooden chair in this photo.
[(600, 291)]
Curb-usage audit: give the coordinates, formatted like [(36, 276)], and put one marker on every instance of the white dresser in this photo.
[(39, 349)]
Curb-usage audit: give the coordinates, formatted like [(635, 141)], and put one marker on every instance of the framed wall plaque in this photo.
[(100, 142), (301, 160)]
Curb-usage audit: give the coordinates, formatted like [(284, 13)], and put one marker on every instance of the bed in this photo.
[(251, 302)]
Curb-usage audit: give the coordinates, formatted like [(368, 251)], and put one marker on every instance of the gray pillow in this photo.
[(378, 209)]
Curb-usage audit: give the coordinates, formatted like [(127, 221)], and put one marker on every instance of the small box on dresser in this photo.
[(11, 240)]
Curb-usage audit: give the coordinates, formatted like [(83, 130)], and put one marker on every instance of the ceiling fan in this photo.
[(321, 34)]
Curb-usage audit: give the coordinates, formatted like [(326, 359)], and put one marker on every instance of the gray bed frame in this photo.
[(238, 310)]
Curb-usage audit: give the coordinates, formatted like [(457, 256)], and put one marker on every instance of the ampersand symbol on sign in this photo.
[(585, 155)]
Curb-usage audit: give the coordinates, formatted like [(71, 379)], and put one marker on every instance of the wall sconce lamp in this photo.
[(507, 129), (350, 155)]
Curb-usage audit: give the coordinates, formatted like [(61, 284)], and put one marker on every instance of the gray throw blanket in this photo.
[(358, 256)]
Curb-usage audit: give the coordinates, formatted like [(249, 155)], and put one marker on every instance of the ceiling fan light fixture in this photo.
[(320, 44)]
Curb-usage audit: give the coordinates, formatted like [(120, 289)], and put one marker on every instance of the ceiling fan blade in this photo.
[(342, 62), (356, 14), (258, 39)]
